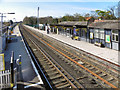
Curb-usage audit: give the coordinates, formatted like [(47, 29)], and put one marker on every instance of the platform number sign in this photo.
[(107, 38), (2, 62), (91, 35)]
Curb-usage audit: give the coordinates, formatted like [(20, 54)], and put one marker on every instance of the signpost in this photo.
[(2, 62)]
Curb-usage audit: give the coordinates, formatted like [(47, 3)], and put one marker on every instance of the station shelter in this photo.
[(76, 28), (105, 32)]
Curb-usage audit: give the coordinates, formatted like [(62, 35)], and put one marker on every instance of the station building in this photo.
[(104, 33)]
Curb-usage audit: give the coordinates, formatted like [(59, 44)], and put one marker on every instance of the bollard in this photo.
[(20, 85), (12, 70), (20, 60)]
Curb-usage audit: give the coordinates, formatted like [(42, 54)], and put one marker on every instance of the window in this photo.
[(96, 33), (101, 35), (117, 38), (115, 35)]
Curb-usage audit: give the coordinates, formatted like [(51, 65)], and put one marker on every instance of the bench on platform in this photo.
[(98, 44)]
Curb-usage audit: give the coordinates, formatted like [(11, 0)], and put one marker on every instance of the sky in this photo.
[(55, 8)]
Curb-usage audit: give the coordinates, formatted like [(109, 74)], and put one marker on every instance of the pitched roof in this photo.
[(72, 23), (105, 24), (87, 18)]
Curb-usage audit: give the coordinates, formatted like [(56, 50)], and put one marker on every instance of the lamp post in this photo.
[(1, 42), (38, 18)]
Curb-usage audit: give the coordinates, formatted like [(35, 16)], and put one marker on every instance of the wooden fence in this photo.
[(5, 79)]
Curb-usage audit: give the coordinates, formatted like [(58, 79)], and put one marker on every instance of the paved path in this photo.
[(17, 45), (106, 53)]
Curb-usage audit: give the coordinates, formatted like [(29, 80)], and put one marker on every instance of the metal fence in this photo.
[(5, 79)]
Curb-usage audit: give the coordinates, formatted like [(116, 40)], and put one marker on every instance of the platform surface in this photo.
[(17, 45)]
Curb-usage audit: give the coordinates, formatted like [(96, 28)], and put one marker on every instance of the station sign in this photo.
[(2, 62), (107, 38), (91, 35)]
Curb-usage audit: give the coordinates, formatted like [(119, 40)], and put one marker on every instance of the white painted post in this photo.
[(57, 31)]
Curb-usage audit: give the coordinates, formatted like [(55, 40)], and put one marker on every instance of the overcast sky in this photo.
[(55, 8)]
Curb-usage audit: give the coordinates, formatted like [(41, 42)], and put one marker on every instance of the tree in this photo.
[(68, 17), (112, 11), (109, 14), (78, 17), (87, 15)]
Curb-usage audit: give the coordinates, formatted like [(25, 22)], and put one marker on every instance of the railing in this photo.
[(5, 79), (4, 30)]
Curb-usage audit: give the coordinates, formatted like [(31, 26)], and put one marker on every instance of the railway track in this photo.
[(56, 75), (99, 78), (107, 73)]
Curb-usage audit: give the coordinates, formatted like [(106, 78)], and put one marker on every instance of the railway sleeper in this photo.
[(44, 59), (84, 76), (51, 66), (110, 79), (97, 85), (53, 73), (63, 85), (52, 69), (102, 75), (80, 62), (41, 60), (59, 81), (87, 66), (49, 63), (73, 57), (77, 59), (68, 63), (44, 66), (69, 55), (93, 81), (55, 77), (98, 72), (91, 68), (106, 77)]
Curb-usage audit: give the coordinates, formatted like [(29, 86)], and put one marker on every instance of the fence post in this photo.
[(12, 70)]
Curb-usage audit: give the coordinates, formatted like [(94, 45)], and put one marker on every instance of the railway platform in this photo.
[(104, 53), (30, 78)]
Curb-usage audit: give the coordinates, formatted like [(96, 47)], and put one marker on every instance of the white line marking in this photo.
[(32, 85), (41, 82)]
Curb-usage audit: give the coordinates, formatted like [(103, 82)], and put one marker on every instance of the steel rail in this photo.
[(35, 61), (76, 62), (46, 55)]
